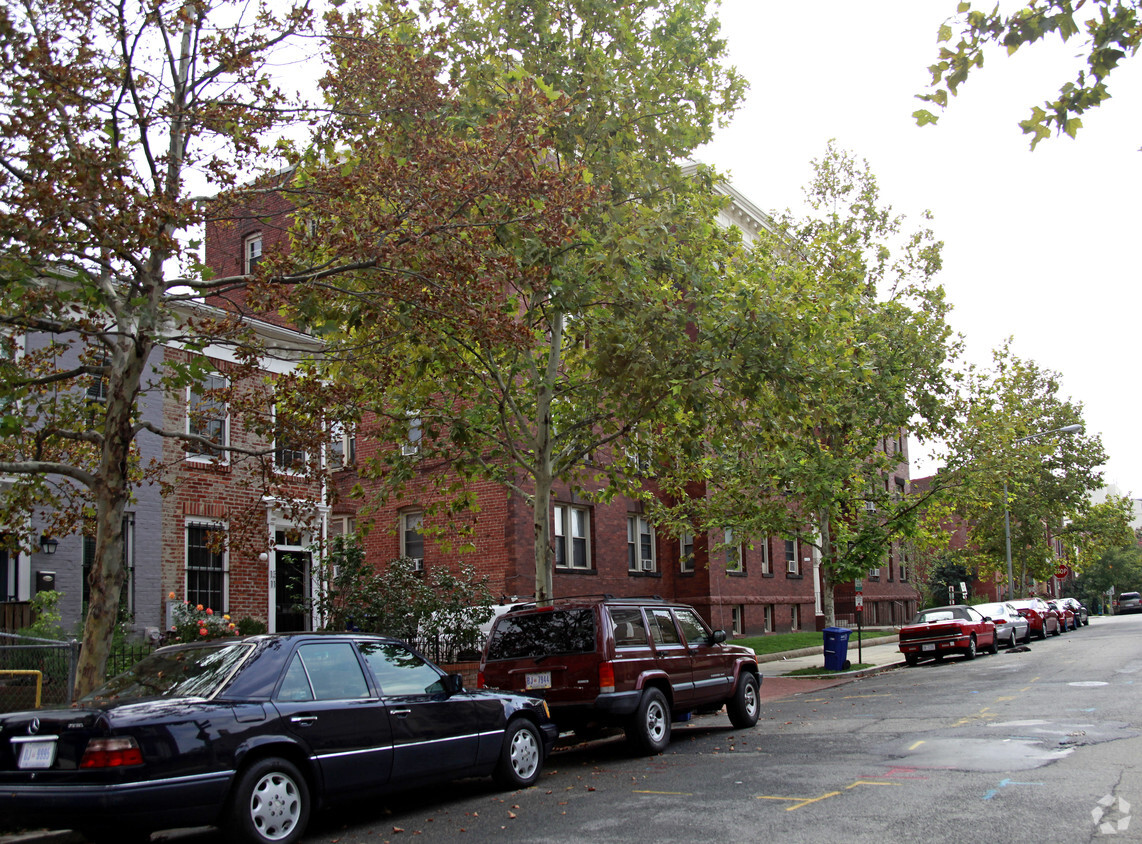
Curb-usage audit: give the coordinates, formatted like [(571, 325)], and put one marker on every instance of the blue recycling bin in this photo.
[(836, 648)]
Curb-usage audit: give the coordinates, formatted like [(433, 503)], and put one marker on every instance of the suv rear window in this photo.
[(539, 634)]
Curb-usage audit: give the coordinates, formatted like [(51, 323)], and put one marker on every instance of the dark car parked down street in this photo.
[(252, 734), (1082, 616), (635, 663)]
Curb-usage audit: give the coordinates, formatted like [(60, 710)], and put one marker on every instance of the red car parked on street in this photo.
[(1042, 620), (1065, 615), (941, 631)]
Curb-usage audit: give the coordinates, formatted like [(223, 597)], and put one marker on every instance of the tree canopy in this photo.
[(1112, 29)]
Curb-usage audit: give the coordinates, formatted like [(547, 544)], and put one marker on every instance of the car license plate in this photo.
[(37, 754), (928, 647), (538, 680)]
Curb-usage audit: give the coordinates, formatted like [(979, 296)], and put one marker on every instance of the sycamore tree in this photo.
[(1109, 32), (1007, 437), (1097, 529), (115, 119), (860, 326), (602, 343)]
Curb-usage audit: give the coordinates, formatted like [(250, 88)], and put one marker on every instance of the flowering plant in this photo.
[(194, 623)]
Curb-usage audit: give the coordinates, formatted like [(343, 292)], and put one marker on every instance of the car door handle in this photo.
[(400, 713), (304, 720)]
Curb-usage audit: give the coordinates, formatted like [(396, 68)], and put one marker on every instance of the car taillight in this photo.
[(606, 677), (481, 683), (111, 753)]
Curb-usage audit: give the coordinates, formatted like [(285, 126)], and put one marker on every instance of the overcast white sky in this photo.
[(1042, 246)]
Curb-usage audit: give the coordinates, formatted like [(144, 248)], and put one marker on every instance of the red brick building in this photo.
[(760, 584)]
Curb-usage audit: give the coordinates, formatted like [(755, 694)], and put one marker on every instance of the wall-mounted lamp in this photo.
[(264, 557), (48, 544)]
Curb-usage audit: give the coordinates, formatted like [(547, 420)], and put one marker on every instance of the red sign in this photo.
[(1062, 571)]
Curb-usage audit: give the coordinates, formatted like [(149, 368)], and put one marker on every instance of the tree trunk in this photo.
[(544, 472), (828, 604), (111, 494)]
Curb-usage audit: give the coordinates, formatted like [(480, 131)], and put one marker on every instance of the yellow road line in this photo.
[(675, 793), (802, 802), (917, 744)]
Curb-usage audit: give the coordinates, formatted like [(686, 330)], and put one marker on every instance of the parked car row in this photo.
[(967, 630), (252, 734)]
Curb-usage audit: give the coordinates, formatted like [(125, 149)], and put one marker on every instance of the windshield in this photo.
[(187, 672)]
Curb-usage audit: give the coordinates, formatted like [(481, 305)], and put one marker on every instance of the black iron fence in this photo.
[(27, 662)]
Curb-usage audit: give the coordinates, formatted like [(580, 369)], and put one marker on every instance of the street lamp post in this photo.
[(1067, 429)]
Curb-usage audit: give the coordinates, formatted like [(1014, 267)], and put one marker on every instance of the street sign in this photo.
[(860, 602), (1062, 571), (858, 585)]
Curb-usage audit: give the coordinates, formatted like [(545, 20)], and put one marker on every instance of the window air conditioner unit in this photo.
[(418, 564), (648, 565)]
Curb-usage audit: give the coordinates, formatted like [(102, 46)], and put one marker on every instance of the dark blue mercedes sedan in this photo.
[(250, 734)]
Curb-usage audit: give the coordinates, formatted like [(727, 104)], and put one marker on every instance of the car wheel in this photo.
[(744, 707), (270, 803), (521, 755), (1014, 640), (912, 659), (1042, 634), (971, 649), (1057, 632), (649, 728), (994, 648)]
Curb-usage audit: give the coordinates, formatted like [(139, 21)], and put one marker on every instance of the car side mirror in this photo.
[(454, 683), (717, 637)]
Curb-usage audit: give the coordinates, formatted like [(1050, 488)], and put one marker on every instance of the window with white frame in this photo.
[(289, 456), (342, 526), (207, 416), (251, 252), (735, 553), (206, 566), (766, 563), (737, 616), (640, 545), (795, 617), (342, 445), (686, 552), (411, 539), (792, 558), (411, 445), (769, 618), (874, 574), (571, 530), (902, 571)]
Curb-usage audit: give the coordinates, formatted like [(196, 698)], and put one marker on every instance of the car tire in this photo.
[(972, 648), (1043, 632), (649, 727), (912, 659), (994, 648), (1058, 631), (1014, 640), (270, 804), (745, 705), (521, 756)]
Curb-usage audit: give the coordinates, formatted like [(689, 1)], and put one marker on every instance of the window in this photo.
[(126, 596), (735, 559), (693, 628), (401, 672), (324, 671), (411, 540), (874, 574), (902, 573), (662, 629), (795, 617), (342, 526), (769, 618), (640, 545), (97, 385), (766, 564), (342, 446), (289, 456), (572, 547), (629, 628), (792, 562), (737, 613), (206, 566), (206, 416), (686, 552), (411, 446), (251, 252)]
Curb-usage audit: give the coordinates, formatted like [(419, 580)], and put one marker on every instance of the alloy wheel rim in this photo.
[(275, 806)]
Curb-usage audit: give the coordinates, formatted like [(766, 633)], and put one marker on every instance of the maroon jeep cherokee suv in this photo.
[(636, 663)]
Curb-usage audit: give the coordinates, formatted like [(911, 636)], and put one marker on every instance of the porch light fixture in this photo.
[(48, 544)]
